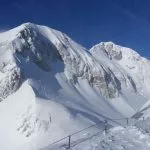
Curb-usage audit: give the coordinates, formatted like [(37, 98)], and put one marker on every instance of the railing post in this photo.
[(127, 121), (69, 142), (106, 126)]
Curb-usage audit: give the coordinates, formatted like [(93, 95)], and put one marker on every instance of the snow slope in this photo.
[(118, 138), (50, 86)]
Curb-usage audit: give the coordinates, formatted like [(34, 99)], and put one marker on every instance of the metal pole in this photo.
[(106, 125), (69, 144), (127, 121)]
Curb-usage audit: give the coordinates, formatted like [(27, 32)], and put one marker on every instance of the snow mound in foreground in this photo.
[(118, 138)]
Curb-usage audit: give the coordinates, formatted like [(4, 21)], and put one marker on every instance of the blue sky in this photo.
[(125, 22)]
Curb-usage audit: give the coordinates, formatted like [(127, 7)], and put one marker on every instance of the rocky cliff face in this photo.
[(30, 45), (42, 45)]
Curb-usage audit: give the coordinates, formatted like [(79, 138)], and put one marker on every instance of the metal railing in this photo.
[(102, 127)]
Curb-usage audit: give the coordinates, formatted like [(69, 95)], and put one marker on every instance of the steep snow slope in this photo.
[(58, 87)]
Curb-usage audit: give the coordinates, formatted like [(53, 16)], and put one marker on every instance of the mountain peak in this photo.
[(114, 51), (28, 24)]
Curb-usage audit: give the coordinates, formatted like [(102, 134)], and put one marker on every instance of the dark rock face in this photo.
[(111, 51), (10, 83), (33, 47)]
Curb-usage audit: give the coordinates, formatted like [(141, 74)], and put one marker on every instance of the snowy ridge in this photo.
[(50, 86), (127, 63)]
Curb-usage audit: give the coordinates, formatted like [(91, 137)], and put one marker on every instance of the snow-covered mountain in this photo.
[(50, 86)]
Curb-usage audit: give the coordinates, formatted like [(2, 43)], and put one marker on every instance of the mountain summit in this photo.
[(50, 86)]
